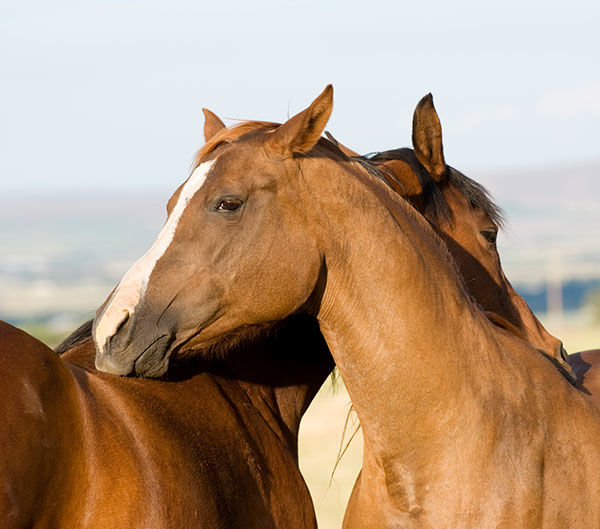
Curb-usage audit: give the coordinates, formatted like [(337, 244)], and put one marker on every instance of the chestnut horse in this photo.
[(463, 214), (468, 216), (286, 405), (213, 446), (465, 425), (461, 211)]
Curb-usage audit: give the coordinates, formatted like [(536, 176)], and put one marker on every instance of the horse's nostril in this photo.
[(563, 353), (124, 319)]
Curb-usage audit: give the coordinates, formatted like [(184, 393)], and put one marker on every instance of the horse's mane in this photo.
[(232, 134), (229, 135), (83, 333), (478, 196), (436, 207)]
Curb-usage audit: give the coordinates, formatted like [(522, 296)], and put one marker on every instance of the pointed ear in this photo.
[(427, 138), (212, 124), (301, 132)]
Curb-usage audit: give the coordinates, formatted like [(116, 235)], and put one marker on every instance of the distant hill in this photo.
[(60, 256), (549, 188), (553, 221)]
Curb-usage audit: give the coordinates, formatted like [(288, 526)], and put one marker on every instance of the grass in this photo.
[(45, 334), (320, 440)]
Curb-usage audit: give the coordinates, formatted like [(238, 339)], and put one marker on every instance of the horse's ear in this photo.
[(427, 138), (212, 124), (301, 132)]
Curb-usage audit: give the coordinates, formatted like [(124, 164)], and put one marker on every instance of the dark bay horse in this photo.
[(470, 231), (468, 221), (465, 425)]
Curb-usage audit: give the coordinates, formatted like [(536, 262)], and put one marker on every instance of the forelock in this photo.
[(230, 135)]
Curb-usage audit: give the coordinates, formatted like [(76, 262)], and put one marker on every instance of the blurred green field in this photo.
[(45, 334)]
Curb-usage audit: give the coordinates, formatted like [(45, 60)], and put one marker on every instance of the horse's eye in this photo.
[(229, 204), (489, 235)]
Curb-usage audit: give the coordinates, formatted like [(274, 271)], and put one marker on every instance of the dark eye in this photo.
[(229, 204), (489, 235)]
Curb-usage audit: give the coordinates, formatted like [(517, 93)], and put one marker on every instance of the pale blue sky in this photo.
[(107, 95)]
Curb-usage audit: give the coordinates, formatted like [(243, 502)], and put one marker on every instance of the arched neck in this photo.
[(281, 373), (411, 346)]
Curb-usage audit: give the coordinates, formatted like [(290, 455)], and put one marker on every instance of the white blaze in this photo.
[(132, 287)]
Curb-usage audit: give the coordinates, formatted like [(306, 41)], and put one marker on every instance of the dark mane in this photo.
[(436, 207), (83, 333), (477, 195), (378, 172)]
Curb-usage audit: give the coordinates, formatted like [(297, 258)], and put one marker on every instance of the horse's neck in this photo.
[(282, 408), (281, 373), (403, 346), (416, 355)]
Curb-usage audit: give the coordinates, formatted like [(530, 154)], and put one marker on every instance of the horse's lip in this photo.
[(106, 364), (180, 343), (154, 360)]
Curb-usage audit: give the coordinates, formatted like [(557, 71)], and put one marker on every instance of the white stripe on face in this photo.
[(132, 287)]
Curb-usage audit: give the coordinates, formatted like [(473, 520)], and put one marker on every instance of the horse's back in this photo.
[(197, 440), (84, 448), (36, 422)]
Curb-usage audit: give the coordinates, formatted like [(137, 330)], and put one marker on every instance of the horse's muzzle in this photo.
[(144, 354)]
